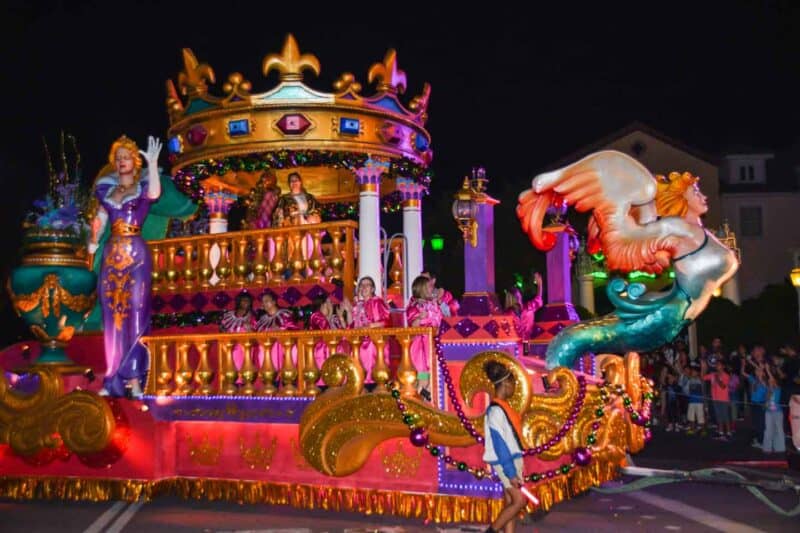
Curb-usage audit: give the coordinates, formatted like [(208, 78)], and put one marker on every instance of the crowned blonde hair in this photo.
[(129, 145), (670, 197)]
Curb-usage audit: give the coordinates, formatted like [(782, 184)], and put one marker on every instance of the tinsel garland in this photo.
[(199, 318), (438, 508), (188, 178)]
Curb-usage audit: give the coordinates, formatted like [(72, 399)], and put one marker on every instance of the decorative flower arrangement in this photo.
[(63, 209)]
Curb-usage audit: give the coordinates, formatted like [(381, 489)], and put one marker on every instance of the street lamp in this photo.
[(794, 275), (465, 206)]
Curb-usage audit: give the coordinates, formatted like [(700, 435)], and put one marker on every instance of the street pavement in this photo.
[(675, 507)]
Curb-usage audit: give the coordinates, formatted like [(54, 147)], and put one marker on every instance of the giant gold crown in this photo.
[(294, 117)]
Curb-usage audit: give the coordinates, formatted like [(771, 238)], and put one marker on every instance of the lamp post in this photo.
[(473, 211), (794, 275)]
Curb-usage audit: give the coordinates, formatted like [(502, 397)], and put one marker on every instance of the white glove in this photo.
[(92, 247), (151, 155)]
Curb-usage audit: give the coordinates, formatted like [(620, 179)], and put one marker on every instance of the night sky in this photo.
[(511, 92)]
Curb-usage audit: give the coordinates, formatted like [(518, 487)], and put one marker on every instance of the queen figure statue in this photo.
[(124, 198)]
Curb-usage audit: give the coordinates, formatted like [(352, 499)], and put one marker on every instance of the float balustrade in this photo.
[(277, 362)]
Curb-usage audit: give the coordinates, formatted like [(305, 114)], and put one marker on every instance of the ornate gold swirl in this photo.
[(28, 302), (340, 429), (28, 423)]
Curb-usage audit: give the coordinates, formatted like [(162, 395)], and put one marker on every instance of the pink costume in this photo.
[(281, 320), (232, 323), (365, 313), (318, 322), (419, 346), (449, 301), (525, 321)]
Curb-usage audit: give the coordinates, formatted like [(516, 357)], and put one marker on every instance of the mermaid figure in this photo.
[(641, 222)]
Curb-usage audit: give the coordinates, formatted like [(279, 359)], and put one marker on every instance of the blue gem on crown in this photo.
[(175, 145), (239, 127), (350, 126)]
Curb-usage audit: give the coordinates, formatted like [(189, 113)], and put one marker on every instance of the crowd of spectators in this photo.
[(719, 392)]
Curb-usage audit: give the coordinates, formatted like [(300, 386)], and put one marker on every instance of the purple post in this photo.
[(559, 311), (479, 290), (559, 281)]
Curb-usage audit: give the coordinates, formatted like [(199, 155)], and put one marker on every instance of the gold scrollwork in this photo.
[(339, 430), (28, 302), (30, 422)]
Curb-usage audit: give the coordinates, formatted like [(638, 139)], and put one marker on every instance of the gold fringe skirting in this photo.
[(438, 508)]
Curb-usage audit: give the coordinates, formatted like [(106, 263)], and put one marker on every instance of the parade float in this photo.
[(337, 437)]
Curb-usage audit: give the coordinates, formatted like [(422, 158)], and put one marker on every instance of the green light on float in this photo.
[(437, 243)]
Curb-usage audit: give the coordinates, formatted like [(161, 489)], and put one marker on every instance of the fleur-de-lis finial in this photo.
[(174, 104), (192, 80), (290, 63), (419, 103), (390, 78)]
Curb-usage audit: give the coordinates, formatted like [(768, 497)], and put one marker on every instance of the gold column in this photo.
[(355, 351), (155, 251), (189, 272), (406, 373), (228, 373), (336, 261), (310, 372), (164, 372), (152, 353), (183, 372), (317, 262), (380, 372), (241, 266), (288, 370), (267, 371), (278, 262), (248, 371), (205, 264), (224, 265), (260, 266), (172, 274), (296, 262), (396, 270), (349, 275), (203, 375)]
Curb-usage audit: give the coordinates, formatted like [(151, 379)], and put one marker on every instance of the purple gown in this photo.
[(124, 285)]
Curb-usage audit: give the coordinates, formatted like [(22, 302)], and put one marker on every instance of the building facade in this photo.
[(760, 201)]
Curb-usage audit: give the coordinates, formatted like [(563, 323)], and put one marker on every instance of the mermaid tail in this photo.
[(641, 321)]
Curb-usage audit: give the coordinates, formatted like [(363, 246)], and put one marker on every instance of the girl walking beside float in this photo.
[(503, 445)]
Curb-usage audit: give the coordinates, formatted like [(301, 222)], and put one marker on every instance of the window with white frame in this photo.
[(750, 221)]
